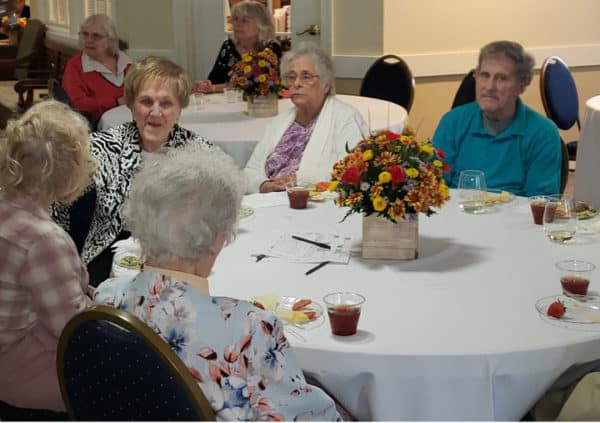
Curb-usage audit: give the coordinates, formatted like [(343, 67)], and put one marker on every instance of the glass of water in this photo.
[(560, 221), (472, 191)]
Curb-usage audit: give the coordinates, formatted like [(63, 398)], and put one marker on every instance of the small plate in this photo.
[(130, 262), (581, 312), (586, 214), (307, 314), (246, 211), (496, 197)]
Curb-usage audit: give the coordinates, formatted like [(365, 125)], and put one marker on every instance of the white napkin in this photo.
[(269, 199)]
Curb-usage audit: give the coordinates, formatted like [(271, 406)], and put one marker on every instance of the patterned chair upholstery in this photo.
[(389, 78), (559, 97), (112, 366)]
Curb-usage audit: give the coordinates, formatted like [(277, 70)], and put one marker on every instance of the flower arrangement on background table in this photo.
[(256, 74), (12, 25), (393, 175)]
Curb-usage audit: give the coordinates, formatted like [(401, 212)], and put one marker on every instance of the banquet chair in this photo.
[(389, 78), (559, 97), (466, 91), (112, 366)]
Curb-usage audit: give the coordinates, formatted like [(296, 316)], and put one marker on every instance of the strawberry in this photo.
[(556, 309)]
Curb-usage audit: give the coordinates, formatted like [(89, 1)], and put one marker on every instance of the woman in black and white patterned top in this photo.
[(156, 90)]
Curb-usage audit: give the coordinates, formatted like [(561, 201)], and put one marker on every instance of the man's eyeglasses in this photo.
[(94, 35), (305, 77)]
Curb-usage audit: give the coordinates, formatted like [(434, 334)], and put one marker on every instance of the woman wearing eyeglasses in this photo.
[(93, 79), (252, 30), (302, 143)]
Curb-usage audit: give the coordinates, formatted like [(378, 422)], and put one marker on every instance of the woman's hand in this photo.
[(277, 183), (204, 86)]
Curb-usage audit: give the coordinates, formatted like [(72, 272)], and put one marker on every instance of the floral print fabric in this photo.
[(285, 159), (238, 353)]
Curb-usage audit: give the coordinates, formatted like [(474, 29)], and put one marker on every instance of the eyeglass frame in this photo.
[(305, 77), (94, 36)]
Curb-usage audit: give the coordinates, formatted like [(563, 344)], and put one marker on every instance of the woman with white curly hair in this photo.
[(183, 211), (44, 158)]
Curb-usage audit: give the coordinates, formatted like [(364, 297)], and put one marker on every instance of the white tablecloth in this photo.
[(453, 335), (229, 126), (587, 174)]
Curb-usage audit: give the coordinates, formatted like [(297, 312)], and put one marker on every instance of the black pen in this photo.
[(317, 267), (310, 241)]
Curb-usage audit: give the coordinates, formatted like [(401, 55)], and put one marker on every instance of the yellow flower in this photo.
[(333, 186), (247, 69), (247, 58), (385, 176), (262, 63), (444, 189), (412, 172), (379, 204), (262, 78), (437, 163), (367, 155), (427, 149)]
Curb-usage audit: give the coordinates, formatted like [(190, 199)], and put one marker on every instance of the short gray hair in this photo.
[(110, 28), (260, 15), (320, 59), (524, 62), (179, 203)]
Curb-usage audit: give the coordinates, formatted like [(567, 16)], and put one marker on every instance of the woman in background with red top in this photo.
[(94, 79)]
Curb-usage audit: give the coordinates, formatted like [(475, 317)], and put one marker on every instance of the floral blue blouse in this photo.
[(238, 353)]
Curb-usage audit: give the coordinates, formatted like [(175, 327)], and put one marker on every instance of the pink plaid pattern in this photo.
[(42, 279)]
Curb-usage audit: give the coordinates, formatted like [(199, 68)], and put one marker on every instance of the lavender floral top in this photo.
[(238, 353), (285, 159)]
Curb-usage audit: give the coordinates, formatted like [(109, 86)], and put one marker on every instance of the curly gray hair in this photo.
[(179, 203), (524, 61), (320, 59)]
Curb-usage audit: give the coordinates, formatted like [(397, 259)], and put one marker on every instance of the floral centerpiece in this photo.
[(13, 25), (391, 176), (257, 76)]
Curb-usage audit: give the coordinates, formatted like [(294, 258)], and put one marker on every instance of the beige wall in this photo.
[(356, 26), (423, 26), (146, 24)]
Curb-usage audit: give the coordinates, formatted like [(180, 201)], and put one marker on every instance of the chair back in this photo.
[(389, 78), (564, 167), (112, 366), (466, 90), (559, 93), (30, 43)]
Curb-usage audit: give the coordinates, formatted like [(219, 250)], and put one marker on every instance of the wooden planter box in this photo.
[(263, 105), (382, 239)]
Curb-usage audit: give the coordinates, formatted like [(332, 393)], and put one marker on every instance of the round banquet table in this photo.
[(452, 335), (588, 153), (229, 126)]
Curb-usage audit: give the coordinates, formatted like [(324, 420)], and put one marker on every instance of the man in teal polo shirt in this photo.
[(518, 149)]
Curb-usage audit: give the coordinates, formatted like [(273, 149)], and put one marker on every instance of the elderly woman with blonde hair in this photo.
[(252, 31), (156, 90), (303, 143), (94, 78), (44, 158), (237, 352)]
